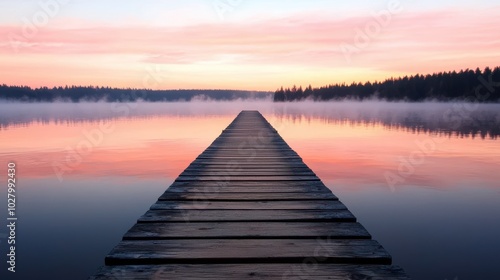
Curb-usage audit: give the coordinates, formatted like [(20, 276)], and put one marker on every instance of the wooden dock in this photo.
[(248, 208)]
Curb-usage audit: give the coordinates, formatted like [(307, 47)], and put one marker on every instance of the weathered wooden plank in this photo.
[(250, 160), (192, 216), (246, 150), (306, 184), (255, 158), (250, 127), (255, 131), (299, 271), (218, 230), (249, 205), (261, 183), (226, 186), (243, 196), (247, 251), (251, 169), (237, 165), (243, 143), (248, 163), (239, 146), (250, 151), (249, 140), (246, 178), (245, 172), (249, 154), (254, 128), (266, 148)]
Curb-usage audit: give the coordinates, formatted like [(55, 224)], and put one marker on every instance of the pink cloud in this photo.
[(412, 42)]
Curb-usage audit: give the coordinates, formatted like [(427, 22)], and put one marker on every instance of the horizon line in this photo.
[(257, 91)]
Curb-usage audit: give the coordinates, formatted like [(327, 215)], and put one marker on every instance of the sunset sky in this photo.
[(240, 44)]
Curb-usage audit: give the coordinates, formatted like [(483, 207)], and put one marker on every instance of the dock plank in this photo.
[(249, 205), (247, 173), (192, 216), (225, 187), (202, 178), (248, 186), (218, 230), (247, 251), (249, 196), (250, 271)]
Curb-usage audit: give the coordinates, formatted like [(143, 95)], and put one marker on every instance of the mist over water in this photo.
[(460, 119)]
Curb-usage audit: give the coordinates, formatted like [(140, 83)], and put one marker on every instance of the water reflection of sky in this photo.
[(438, 222)]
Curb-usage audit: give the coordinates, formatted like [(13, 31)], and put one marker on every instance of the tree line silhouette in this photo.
[(94, 94), (467, 85)]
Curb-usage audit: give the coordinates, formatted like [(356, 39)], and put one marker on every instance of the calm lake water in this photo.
[(424, 179)]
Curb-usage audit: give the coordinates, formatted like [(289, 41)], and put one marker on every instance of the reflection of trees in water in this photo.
[(439, 118), (68, 121), (479, 123), (467, 128), (19, 115)]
